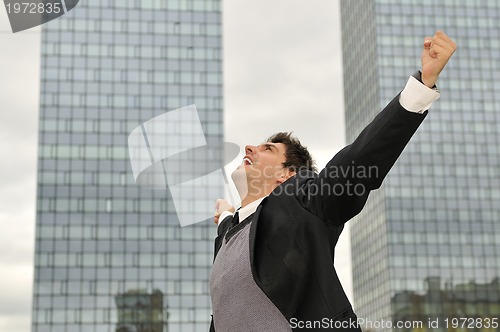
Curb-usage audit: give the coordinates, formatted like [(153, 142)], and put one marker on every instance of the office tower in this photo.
[(426, 244), (110, 255)]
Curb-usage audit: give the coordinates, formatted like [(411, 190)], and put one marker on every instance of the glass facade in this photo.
[(426, 244), (110, 255)]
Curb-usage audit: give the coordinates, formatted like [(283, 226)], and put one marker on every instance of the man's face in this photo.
[(262, 167)]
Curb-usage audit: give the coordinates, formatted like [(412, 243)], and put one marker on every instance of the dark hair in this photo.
[(297, 156)]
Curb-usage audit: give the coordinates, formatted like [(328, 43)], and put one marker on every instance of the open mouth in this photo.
[(247, 161)]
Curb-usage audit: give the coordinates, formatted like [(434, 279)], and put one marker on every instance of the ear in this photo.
[(285, 175)]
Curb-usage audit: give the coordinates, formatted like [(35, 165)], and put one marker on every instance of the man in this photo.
[(273, 267)]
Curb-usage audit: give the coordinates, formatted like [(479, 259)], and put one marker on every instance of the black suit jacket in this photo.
[(295, 229)]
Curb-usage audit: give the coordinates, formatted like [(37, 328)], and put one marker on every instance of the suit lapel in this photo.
[(253, 233), (221, 232)]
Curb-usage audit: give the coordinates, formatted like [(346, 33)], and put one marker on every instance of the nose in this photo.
[(250, 149)]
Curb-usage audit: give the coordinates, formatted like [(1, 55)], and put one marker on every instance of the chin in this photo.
[(239, 177)]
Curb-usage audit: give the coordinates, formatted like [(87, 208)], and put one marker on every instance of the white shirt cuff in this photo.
[(416, 97)]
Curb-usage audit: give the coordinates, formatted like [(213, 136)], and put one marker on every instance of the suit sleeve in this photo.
[(221, 231), (341, 189)]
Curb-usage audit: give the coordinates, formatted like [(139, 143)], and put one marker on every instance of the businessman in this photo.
[(273, 267)]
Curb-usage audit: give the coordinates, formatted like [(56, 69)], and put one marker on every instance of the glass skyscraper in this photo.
[(110, 255), (426, 244)]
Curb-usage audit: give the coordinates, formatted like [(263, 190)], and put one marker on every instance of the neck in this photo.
[(262, 191), (249, 199), (250, 192)]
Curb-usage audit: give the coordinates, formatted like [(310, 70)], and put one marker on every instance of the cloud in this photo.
[(283, 71), (13, 305), (19, 87)]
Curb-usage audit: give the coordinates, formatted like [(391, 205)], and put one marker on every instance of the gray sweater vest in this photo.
[(238, 303)]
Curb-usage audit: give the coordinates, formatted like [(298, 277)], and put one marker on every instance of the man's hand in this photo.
[(436, 53), (221, 205)]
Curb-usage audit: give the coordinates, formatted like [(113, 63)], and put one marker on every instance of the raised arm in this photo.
[(342, 187)]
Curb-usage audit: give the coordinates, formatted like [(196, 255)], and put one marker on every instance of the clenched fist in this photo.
[(436, 53), (221, 205)]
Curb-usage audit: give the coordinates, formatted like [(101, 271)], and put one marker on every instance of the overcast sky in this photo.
[(283, 72)]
